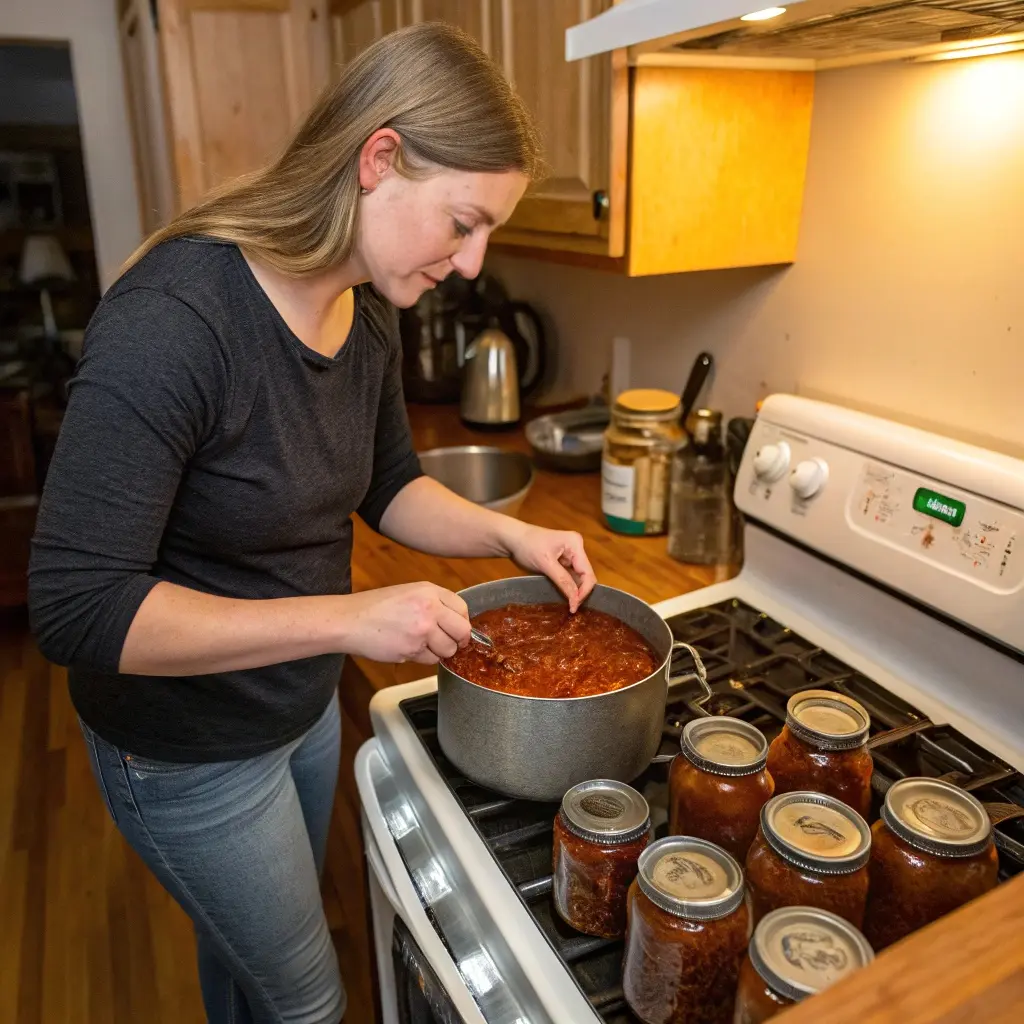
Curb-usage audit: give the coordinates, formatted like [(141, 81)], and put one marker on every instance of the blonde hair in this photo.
[(432, 83)]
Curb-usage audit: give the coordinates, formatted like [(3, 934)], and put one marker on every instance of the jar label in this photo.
[(689, 876), (816, 952), (816, 830), (941, 818), (618, 491), (830, 721), (727, 748)]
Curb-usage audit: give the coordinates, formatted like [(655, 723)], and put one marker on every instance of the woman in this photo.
[(238, 398)]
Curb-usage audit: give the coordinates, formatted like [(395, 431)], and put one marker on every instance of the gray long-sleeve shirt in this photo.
[(206, 445)]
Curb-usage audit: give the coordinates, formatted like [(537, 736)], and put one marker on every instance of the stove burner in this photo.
[(754, 666)]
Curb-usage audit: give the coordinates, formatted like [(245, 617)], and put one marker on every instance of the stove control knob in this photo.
[(808, 477), (771, 462)]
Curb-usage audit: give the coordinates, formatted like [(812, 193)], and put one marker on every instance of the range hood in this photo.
[(805, 35)]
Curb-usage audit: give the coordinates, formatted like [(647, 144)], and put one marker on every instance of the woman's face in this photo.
[(412, 233)]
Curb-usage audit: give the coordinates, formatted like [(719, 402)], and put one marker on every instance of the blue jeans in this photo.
[(241, 845)]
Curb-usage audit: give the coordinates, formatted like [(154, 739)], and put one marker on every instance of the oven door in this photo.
[(419, 981), (420, 998)]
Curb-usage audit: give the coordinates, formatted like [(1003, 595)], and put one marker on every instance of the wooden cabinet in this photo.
[(581, 109), (718, 158), (355, 24), (664, 167), (231, 80), (153, 168), (655, 169), (473, 16), (581, 112)]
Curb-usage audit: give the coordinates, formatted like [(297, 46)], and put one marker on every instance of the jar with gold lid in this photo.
[(931, 852), (811, 851), (796, 952), (644, 433), (718, 783), (688, 931), (600, 831), (822, 748)]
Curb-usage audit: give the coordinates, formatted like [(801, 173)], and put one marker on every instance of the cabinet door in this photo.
[(355, 24), (153, 171), (582, 111), (473, 16), (239, 75)]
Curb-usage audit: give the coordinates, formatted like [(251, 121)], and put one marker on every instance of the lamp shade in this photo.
[(43, 259)]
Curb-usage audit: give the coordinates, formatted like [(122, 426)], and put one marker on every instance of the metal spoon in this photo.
[(485, 641), (481, 638)]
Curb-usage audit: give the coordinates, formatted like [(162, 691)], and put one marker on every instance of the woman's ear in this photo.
[(378, 157)]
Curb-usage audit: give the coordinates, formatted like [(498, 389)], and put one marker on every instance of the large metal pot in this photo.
[(535, 747)]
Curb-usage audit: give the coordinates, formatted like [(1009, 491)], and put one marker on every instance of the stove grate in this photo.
[(755, 664)]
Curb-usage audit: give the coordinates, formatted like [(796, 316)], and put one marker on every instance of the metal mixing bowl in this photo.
[(491, 477)]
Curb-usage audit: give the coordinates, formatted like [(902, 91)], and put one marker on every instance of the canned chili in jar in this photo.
[(718, 783), (931, 852), (687, 935), (796, 952), (601, 829), (821, 748), (810, 850)]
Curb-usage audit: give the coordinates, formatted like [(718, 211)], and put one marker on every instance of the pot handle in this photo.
[(699, 673)]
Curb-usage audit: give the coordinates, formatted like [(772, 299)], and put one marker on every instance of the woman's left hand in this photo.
[(559, 555)]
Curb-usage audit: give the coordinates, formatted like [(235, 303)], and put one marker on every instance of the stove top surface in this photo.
[(754, 665)]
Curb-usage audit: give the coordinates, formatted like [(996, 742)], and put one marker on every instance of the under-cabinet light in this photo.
[(765, 15), (989, 50)]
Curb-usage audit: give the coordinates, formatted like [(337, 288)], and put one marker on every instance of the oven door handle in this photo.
[(386, 862), (376, 860)]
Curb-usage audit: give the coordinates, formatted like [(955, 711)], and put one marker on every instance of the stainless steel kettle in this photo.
[(490, 384)]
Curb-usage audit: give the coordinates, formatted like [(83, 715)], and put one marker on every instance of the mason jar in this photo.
[(644, 434)]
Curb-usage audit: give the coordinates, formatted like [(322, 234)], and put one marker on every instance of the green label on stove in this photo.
[(938, 506)]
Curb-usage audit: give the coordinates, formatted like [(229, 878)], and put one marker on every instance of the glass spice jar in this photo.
[(822, 748), (796, 952), (688, 930), (811, 850), (931, 852), (639, 442), (601, 829), (718, 783)]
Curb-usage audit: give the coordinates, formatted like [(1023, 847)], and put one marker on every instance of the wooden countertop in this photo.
[(967, 967), (563, 501)]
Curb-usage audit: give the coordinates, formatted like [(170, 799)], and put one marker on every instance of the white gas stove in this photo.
[(880, 561)]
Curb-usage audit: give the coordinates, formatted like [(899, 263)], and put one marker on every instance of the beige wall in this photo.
[(908, 292), (91, 28)]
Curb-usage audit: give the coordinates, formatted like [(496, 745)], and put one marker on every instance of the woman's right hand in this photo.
[(417, 622)]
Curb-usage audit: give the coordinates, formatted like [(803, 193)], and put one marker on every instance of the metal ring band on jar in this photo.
[(812, 850)]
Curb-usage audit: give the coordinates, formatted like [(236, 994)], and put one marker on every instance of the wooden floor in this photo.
[(86, 933)]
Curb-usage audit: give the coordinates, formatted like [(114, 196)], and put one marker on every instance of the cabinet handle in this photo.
[(600, 202)]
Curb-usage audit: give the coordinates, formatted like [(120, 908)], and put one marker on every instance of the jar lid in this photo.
[(827, 720), (690, 878), (937, 817), (724, 746), (648, 400), (816, 832), (799, 951), (605, 811)]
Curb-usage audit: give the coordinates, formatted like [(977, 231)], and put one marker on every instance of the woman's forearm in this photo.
[(427, 516), (181, 632)]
